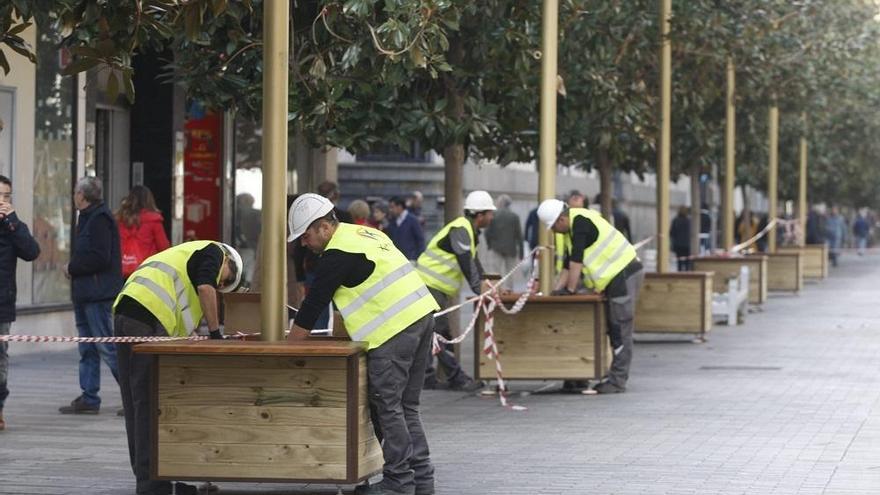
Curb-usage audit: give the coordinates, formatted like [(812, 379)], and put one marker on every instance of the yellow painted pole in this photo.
[(802, 184), (729, 157), (663, 151), (773, 175), (547, 163), (273, 309)]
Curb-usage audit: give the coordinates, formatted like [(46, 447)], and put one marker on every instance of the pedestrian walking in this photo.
[(360, 212), (449, 259), (166, 296), (384, 303), (380, 217), (861, 231), (504, 239), (404, 229), (16, 242), (609, 266), (835, 233), (680, 237), (95, 271), (141, 229)]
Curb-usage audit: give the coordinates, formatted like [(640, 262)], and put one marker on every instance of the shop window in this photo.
[(54, 144)]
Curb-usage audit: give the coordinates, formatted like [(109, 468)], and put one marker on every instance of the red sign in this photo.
[(201, 184)]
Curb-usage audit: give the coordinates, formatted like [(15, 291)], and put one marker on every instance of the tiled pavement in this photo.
[(785, 404)]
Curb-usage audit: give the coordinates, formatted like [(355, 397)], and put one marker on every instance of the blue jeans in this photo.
[(94, 320)]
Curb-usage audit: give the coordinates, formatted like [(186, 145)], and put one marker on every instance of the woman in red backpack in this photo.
[(141, 233)]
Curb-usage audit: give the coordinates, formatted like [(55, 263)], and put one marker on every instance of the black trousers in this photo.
[(396, 371), (135, 372)]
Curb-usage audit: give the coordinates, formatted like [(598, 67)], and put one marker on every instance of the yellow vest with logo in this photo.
[(162, 286), (439, 268), (562, 244), (606, 257), (392, 298)]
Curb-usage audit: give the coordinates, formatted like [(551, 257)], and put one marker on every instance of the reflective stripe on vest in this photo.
[(439, 268), (608, 255), (162, 286), (562, 246), (392, 298)]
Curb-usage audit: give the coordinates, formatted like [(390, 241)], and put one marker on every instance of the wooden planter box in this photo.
[(257, 411), (785, 272), (815, 259), (728, 267), (675, 303), (552, 338)]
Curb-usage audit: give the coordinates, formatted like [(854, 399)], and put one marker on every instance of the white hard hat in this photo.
[(479, 201), (549, 210), (238, 266), (306, 209)]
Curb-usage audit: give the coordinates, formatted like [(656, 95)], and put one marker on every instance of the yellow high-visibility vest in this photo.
[(162, 286), (438, 268), (606, 257), (392, 298)]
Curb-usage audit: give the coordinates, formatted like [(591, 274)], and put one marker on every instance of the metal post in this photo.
[(665, 137), (729, 157), (547, 172), (802, 184), (772, 175), (273, 309)]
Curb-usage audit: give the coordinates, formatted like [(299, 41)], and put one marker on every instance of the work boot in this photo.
[(467, 384), (574, 386), (2, 421), (609, 388), (381, 489), (79, 406), (426, 489), (184, 489)]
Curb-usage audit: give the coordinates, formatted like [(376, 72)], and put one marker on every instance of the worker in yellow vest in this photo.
[(168, 295), (384, 303), (450, 259), (610, 266)]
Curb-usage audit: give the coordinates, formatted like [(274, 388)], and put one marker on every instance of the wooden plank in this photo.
[(725, 268), (815, 259), (232, 454), (304, 348), (371, 458), (785, 272), (254, 396), (254, 362), (296, 379), (546, 340), (250, 434), (255, 472), (674, 304), (253, 415)]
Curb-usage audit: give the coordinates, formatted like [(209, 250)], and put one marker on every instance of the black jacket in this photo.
[(15, 242), (95, 264)]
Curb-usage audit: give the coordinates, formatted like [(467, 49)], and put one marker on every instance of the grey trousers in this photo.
[(4, 364), (396, 371), (446, 357), (620, 308), (134, 382)]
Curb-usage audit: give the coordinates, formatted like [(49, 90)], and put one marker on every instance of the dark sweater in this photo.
[(95, 264), (15, 242)]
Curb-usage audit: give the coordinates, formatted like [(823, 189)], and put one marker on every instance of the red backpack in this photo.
[(131, 250)]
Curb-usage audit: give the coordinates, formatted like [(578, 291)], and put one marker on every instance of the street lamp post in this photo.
[(773, 175), (663, 151), (547, 163), (729, 156), (273, 302)]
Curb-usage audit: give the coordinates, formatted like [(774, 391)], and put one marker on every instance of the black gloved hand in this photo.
[(562, 292), (217, 334)]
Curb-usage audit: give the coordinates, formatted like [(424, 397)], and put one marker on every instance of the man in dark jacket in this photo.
[(405, 230), (15, 242), (95, 270)]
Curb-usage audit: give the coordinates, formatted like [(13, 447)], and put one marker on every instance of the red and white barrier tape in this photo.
[(104, 340)]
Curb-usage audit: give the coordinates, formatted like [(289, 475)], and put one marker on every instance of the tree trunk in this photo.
[(696, 202), (453, 156), (605, 187)]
